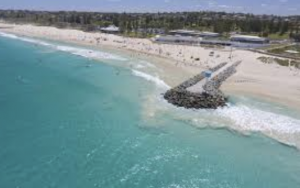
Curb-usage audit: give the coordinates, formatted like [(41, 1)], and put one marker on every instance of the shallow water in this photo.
[(69, 121)]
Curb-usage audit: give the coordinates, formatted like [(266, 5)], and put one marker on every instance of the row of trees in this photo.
[(220, 22)]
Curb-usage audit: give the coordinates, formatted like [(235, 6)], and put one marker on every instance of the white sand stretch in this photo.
[(268, 81)]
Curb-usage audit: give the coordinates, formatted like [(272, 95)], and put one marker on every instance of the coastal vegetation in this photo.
[(293, 50), (281, 62), (148, 24)]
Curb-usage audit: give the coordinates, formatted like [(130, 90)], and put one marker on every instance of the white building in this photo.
[(209, 35), (182, 32), (249, 39), (110, 29)]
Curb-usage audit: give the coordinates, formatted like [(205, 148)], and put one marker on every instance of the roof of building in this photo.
[(178, 38), (247, 37), (111, 28), (182, 31), (209, 33), (195, 33)]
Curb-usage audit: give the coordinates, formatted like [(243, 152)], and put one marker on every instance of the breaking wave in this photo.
[(251, 119), (241, 117), (155, 79), (87, 53), (245, 119)]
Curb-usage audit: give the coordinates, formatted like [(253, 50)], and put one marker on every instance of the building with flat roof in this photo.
[(216, 42), (182, 32), (249, 39), (110, 29), (178, 39), (209, 34)]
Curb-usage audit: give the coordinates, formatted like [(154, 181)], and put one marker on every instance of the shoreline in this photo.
[(269, 82)]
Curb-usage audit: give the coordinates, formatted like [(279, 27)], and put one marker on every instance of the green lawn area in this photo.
[(279, 61), (138, 35), (283, 50), (278, 36), (273, 36)]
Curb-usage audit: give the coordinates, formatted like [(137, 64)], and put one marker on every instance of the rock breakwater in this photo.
[(194, 80), (211, 97)]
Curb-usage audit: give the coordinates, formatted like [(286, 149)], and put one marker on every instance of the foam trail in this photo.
[(8, 35), (147, 64), (139, 66), (239, 117), (74, 50), (151, 78), (250, 119)]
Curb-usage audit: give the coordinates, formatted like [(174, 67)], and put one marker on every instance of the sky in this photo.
[(278, 7)]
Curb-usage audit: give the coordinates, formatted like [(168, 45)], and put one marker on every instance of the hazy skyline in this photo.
[(279, 7)]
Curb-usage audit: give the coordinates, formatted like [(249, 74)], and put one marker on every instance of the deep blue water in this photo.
[(67, 122)]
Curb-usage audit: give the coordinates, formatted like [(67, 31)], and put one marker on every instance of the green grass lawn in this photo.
[(282, 51), (273, 36), (281, 62), (277, 36)]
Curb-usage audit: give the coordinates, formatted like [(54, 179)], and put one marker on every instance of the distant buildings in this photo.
[(183, 36), (178, 39), (249, 39), (182, 32), (189, 37), (193, 33), (110, 29), (209, 35), (151, 30)]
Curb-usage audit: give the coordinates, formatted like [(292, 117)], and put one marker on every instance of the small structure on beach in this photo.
[(112, 29), (249, 39)]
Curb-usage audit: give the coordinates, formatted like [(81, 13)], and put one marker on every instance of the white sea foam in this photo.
[(240, 117), (89, 53), (147, 64), (8, 35), (138, 66), (251, 119), (74, 50), (155, 79)]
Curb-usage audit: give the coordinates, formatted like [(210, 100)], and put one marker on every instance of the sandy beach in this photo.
[(267, 81)]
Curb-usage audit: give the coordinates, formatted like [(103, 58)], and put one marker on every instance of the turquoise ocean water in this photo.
[(67, 121)]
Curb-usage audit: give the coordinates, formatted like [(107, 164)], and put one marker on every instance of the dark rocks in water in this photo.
[(186, 99)]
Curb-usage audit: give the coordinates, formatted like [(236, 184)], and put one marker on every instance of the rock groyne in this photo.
[(211, 97), (194, 80)]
